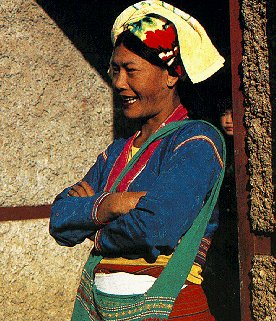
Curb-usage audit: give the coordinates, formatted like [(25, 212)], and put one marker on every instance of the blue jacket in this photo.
[(177, 178)]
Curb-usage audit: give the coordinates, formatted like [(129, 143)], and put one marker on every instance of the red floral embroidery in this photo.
[(178, 70), (160, 38)]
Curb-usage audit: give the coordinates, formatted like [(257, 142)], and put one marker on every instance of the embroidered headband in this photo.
[(173, 34), (160, 35)]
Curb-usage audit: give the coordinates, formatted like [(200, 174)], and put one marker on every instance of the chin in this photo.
[(130, 115), (229, 133)]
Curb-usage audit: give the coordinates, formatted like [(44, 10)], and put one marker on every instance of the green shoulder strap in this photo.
[(174, 275), (161, 133)]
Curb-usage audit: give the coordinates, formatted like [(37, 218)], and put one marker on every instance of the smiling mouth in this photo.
[(128, 100), (229, 129)]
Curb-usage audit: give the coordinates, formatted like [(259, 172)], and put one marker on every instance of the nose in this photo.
[(119, 81), (229, 118)]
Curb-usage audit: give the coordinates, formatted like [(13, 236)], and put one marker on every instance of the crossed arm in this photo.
[(113, 205), (153, 223)]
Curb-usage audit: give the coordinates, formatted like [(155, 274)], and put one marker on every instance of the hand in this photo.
[(117, 204), (82, 189), (123, 202)]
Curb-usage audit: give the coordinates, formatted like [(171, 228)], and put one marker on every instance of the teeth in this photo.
[(129, 100)]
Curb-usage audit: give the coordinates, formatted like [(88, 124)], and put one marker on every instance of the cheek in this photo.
[(149, 86), (156, 81), (157, 90), (146, 89)]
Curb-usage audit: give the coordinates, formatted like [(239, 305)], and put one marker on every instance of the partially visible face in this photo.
[(226, 122), (142, 86)]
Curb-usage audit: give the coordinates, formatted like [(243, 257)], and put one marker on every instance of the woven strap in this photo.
[(174, 275), (161, 133)]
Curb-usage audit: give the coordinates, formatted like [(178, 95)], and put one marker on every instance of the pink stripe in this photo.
[(179, 113)]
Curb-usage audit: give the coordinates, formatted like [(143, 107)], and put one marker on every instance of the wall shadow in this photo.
[(87, 23)]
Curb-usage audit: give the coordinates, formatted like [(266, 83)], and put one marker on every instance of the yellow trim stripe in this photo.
[(104, 155), (161, 260), (202, 137)]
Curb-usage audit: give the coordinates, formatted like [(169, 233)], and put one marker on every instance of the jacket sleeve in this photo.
[(72, 218), (170, 205)]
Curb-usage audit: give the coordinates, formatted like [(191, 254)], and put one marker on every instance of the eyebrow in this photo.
[(124, 64)]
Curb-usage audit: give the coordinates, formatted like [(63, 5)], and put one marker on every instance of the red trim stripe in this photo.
[(179, 113)]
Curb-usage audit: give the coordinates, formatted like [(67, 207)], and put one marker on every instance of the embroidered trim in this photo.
[(94, 212), (120, 162), (202, 251), (137, 168), (104, 155), (97, 241), (208, 140), (179, 113)]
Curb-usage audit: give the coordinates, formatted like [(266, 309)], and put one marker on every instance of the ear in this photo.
[(171, 80)]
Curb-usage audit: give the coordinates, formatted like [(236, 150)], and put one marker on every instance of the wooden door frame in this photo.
[(250, 244)]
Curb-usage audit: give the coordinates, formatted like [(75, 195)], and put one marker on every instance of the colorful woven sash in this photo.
[(157, 303)]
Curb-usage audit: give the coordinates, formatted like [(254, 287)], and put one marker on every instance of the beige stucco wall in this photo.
[(38, 278), (258, 114), (56, 111), (263, 275), (55, 117), (258, 122)]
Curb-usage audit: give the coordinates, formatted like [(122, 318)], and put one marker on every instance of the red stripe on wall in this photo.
[(24, 213)]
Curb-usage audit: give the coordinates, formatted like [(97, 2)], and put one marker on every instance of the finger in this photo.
[(136, 197), (142, 193), (89, 190), (80, 190), (73, 193)]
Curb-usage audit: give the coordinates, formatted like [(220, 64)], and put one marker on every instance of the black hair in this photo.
[(224, 103)]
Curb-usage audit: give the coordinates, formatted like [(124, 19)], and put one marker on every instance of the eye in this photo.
[(114, 69), (113, 72), (130, 70)]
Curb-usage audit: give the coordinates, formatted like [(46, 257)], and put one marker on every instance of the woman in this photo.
[(137, 227)]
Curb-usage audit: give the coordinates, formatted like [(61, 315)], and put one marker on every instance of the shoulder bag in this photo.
[(157, 303)]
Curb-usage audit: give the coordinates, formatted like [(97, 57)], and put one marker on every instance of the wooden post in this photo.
[(250, 244), (246, 245)]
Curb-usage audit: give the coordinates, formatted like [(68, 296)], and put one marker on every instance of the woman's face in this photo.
[(143, 87), (226, 122)]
